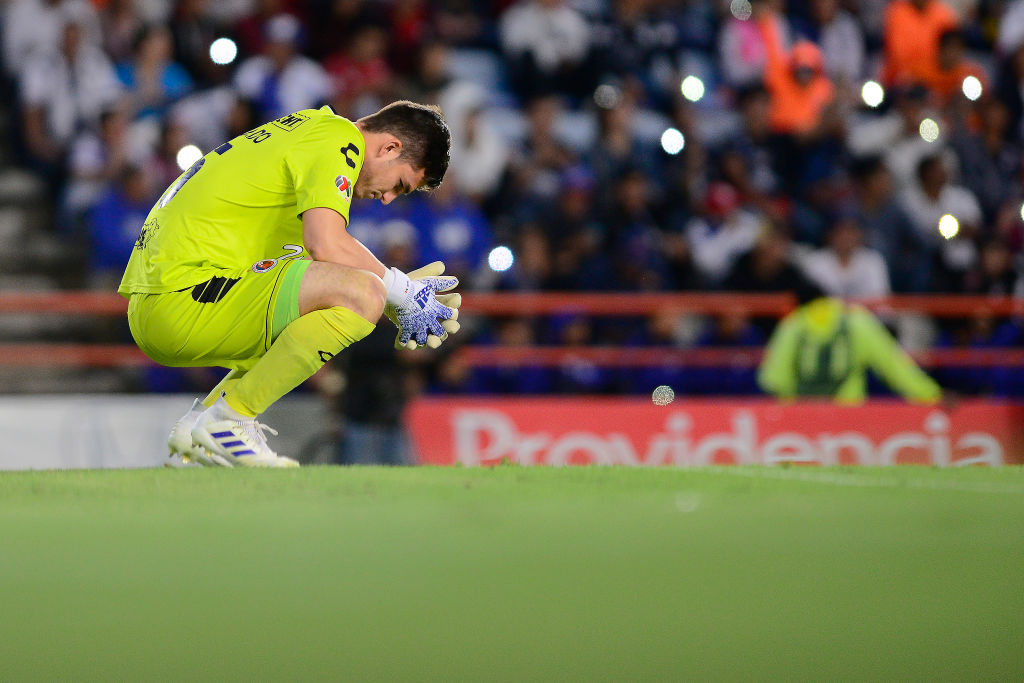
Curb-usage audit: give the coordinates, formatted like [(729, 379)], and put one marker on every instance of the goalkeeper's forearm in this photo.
[(327, 239), (346, 250)]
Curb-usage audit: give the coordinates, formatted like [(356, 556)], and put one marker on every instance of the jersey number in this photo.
[(192, 170)]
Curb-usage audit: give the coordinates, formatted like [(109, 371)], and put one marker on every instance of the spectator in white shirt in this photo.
[(282, 81), (63, 92), (722, 234), (933, 196), (926, 204), (482, 156), (96, 159), (547, 43), (1011, 28), (840, 39), (896, 136), (32, 26), (846, 268)]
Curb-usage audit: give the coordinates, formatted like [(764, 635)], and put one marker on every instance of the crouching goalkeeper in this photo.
[(245, 263)]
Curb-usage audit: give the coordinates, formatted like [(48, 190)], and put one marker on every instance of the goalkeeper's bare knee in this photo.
[(326, 285)]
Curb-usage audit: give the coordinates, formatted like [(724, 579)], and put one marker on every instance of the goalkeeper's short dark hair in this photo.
[(426, 140)]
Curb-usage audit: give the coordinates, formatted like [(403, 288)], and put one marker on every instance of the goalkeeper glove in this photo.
[(421, 315)]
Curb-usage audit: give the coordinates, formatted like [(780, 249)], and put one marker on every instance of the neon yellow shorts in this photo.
[(228, 321)]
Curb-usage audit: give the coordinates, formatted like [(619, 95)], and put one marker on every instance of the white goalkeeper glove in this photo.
[(422, 316)]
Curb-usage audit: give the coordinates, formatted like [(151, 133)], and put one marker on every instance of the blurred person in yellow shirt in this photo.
[(824, 348)]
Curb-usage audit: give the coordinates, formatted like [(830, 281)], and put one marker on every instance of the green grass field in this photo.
[(512, 574)]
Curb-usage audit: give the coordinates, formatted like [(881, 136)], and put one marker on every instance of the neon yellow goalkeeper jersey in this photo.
[(241, 204)]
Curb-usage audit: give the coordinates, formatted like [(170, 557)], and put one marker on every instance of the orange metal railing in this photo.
[(540, 304), (604, 304)]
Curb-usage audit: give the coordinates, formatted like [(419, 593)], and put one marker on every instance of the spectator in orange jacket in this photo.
[(912, 31), (799, 89), (946, 78)]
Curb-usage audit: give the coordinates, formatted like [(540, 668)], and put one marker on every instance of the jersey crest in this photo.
[(344, 186), (264, 265)]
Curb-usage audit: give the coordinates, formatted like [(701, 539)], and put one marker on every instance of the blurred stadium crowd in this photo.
[(865, 146)]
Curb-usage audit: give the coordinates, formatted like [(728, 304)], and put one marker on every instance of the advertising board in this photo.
[(610, 431)]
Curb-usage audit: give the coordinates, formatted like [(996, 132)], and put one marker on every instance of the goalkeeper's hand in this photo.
[(423, 317)]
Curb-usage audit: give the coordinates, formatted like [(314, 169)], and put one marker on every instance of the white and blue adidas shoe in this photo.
[(180, 443), (229, 441)]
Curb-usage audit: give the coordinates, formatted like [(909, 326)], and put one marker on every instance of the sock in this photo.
[(302, 349), (226, 412), (230, 380)]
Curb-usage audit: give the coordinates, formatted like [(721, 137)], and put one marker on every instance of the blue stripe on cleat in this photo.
[(221, 435), (247, 452), (232, 444)]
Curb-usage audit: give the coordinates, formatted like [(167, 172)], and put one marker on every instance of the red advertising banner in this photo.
[(609, 431)]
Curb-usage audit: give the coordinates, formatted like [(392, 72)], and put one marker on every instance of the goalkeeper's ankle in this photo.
[(222, 410)]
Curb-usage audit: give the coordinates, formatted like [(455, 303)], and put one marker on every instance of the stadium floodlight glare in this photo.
[(972, 88), (188, 155), (663, 395), (692, 88), (928, 130), (1022, 212), (672, 141), (607, 96), (872, 93), (223, 51), (949, 226), (500, 259), (741, 9)]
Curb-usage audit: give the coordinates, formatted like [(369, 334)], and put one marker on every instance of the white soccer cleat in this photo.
[(180, 440), (230, 442)]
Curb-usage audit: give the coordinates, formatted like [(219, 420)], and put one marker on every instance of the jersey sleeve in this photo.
[(891, 362), (777, 374), (324, 166)]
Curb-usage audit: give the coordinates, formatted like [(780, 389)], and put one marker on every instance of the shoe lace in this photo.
[(255, 431)]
